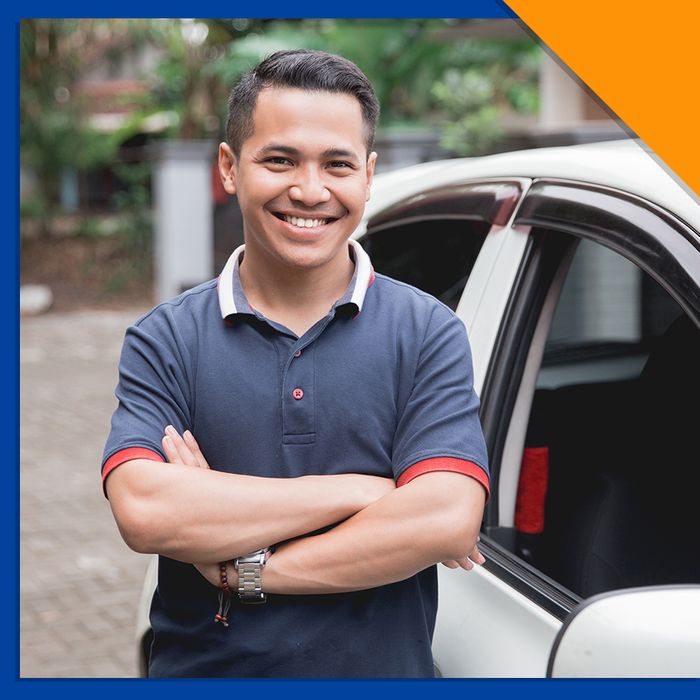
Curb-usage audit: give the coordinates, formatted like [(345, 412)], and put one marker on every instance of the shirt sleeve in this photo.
[(153, 391), (439, 427)]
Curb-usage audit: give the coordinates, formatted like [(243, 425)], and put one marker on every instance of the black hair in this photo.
[(306, 70)]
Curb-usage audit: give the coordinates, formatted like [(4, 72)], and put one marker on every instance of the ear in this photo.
[(371, 162), (227, 168)]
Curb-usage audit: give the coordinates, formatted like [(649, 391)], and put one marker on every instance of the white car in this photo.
[(577, 273)]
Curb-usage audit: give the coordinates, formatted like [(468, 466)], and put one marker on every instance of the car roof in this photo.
[(625, 165)]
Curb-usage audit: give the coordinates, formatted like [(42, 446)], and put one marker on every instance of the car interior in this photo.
[(610, 469)]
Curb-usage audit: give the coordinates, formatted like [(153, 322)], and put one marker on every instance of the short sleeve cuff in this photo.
[(124, 456), (446, 464)]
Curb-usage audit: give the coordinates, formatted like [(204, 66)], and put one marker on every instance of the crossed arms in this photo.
[(186, 511)]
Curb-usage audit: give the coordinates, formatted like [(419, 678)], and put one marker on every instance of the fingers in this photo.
[(476, 556), (466, 563), (183, 449), (170, 452), (176, 450), (193, 445)]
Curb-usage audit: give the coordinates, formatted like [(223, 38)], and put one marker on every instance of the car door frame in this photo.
[(502, 380)]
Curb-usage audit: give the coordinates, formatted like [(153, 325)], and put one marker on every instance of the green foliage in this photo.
[(425, 71), (472, 125), (488, 79), (403, 58), (400, 57), (135, 227), (55, 133), (89, 228)]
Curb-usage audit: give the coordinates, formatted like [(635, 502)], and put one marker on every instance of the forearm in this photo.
[(434, 518), (205, 515)]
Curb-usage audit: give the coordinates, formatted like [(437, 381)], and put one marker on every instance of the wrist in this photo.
[(372, 488), (224, 584), (249, 569)]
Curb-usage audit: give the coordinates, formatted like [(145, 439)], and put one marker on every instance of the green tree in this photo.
[(55, 134), (423, 76), (486, 80)]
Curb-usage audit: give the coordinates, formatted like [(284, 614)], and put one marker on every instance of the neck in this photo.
[(281, 292)]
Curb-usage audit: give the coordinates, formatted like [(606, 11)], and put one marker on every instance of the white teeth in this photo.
[(304, 223)]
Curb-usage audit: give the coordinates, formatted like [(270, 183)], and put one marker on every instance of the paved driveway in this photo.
[(79, 583)]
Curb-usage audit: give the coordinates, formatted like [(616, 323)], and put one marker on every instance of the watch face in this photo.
[(259, 556)]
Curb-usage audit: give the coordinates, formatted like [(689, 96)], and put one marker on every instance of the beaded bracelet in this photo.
[(224, 596)]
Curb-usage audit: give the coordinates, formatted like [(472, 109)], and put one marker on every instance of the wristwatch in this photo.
[(249, 568)]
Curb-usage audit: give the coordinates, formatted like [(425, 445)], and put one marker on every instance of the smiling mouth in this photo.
[(301, 222)]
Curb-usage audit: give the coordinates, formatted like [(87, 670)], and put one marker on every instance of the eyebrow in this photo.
[(339, 153), (291, 151)]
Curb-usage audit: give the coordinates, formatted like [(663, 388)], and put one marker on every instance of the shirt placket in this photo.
[(299, 397), (299, 388)]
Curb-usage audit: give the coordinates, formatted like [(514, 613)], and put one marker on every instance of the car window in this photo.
[(436, 255), (609, 452), (431, 239), (603, 321), (604, 425)]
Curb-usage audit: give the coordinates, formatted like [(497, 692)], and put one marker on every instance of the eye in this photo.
[(340, 165), (277, 160)]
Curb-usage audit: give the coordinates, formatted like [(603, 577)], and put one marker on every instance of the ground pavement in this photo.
[(79, 583)]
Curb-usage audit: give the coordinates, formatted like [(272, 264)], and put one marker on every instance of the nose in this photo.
[(308, 188)]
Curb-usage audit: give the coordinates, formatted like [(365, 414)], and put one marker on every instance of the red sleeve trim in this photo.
[(124, 456), (446, 464)]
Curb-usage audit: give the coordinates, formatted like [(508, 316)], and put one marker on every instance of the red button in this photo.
[(298, 394), (297, 353)]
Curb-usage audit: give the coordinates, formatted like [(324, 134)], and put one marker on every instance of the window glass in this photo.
[(607, 314), (610, 452), (436, 256)]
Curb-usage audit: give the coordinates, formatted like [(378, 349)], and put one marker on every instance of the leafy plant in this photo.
[(488, 80), (135, 227), (472, 125), (55, 133)]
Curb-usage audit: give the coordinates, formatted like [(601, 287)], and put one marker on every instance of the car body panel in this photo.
[(624, 165), (485, 629), (641, 621), (483, 308)]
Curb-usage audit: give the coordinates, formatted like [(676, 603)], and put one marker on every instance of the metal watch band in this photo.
[(249, 569)]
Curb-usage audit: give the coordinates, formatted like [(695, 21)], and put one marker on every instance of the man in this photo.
[(334, 406)]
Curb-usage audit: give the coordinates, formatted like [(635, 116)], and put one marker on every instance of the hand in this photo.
[(183, 450), (467, 563)]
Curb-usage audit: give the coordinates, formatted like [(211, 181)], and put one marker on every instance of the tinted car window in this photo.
[(598, 404), (607, 314), (609, 432), (436, 255)]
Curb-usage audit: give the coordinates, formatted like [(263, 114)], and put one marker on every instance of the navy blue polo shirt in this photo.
[(382, 385)]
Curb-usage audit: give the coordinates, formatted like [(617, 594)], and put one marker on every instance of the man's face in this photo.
[(302, 177)]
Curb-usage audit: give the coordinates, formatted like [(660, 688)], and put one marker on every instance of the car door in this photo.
[(583, 411)]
